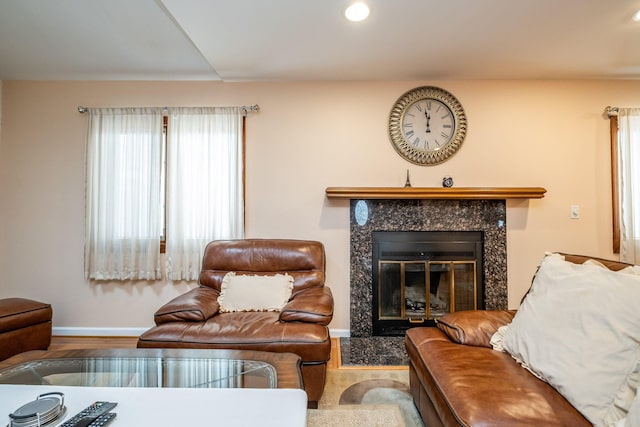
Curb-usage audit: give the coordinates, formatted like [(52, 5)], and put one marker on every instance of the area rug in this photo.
[(366, 397)]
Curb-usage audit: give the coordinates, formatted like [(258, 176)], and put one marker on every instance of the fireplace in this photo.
[(419, 276), (400, 209), (369, 216)]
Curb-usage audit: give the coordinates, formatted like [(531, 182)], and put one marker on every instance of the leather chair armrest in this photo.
[(311, 305), (196, 305), (474, 327)]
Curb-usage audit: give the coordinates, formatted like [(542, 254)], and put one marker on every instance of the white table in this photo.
[(173, 406)]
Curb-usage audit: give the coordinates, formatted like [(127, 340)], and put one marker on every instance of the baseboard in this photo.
[(133, 332)]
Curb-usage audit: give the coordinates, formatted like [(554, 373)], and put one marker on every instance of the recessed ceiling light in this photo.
[(636, 16), (358, 11)]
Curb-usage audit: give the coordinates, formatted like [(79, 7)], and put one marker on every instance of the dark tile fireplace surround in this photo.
[(487, 216)]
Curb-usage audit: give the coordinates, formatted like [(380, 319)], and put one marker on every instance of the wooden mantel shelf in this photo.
[(459, 193)]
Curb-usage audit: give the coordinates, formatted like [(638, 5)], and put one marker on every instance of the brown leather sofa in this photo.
[(24, 325), (457, 379), (193, 320)]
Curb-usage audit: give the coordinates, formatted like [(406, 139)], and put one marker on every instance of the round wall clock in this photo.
[(427, 125)]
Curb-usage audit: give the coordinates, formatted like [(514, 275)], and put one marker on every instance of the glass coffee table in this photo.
[(153, 368)]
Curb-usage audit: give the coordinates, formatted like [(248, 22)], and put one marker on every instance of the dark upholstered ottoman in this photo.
[(24, 325)]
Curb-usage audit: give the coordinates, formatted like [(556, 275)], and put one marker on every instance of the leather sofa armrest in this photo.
[(196, 305), (311, 305), (474, 327)]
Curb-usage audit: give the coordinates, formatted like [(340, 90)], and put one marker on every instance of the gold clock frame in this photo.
[(405, 148)]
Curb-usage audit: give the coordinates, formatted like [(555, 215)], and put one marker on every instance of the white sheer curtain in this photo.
[(629, 183), (123, 207), (205, 195)]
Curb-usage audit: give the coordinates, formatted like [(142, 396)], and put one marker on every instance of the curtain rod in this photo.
[(245, 108), (611, 111)]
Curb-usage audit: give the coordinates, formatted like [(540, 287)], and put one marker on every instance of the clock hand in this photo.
[(426, 113)]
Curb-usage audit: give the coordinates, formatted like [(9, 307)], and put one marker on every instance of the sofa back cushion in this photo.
[(304, 260), (607, 263)]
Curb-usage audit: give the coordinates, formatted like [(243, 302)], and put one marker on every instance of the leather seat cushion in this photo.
[(18, 313), (244, 331), (485, 387)]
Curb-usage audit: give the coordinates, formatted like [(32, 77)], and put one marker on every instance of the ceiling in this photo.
[(297, 40)]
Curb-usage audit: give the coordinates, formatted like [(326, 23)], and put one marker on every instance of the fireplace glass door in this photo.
[(420, 276), (420, 290)]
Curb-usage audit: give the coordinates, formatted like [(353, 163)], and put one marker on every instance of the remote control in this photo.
[(102, 420), (89, 414)]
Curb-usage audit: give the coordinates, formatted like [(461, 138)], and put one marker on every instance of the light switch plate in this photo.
[(575, 212)]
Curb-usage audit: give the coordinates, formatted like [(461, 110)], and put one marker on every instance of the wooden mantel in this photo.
[(459, 193)]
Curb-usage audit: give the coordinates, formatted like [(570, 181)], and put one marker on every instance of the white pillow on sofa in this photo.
[(633, 418), (254, 293), (579, 330)]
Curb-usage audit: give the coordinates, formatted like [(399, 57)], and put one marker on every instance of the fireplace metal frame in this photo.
[(423, 247)]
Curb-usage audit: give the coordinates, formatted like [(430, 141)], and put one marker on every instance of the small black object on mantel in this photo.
[(447, 182), (408, 183)]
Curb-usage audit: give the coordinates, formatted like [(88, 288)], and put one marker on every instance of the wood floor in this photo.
[(74, 343)]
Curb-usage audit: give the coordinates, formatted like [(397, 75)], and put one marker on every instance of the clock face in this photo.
[(427, 125)]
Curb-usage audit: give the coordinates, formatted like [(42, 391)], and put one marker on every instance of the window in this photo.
[(135, 175), (625, 158)]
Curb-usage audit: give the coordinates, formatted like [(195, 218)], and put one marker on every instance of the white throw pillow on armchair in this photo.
[(254, 293), (579, 330)]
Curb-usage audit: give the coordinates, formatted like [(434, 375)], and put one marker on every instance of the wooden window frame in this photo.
[(615, 191), (163, 239)]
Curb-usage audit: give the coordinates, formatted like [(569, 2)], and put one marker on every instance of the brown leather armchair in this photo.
[(193, 319)]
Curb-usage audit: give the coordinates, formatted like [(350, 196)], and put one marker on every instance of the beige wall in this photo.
[(306, 137)]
